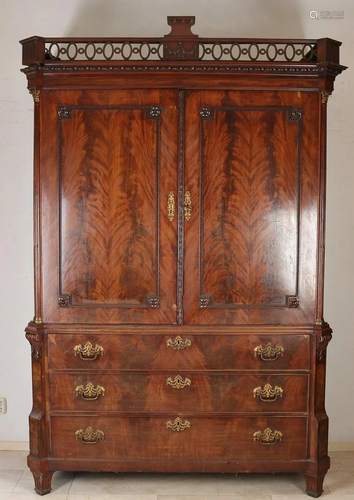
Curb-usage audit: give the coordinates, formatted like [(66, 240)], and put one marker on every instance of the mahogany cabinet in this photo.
[(179, 206)]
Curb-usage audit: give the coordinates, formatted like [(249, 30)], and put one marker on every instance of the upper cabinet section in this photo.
[(181, 51)]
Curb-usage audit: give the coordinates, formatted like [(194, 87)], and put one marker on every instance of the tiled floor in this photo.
[(16, 482)]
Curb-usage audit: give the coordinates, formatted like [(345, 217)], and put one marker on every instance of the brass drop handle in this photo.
[(187, 205), (88, 352), (89, 392), (171, 206), (270, 352), (89, 436), (178, 425), (268, 394), (267, 437), (177, 382)]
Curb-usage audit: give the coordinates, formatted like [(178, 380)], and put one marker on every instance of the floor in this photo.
[(16, 483)]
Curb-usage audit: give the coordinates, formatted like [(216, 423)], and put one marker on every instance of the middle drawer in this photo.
[(178, 391)]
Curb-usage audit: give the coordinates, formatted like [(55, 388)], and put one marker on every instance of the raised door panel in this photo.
[(252, 173), (108, 240)]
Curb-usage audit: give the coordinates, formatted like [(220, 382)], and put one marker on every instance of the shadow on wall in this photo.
[(227, 18)]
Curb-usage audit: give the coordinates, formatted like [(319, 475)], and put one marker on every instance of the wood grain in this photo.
[(148, 438), (250, 169), (207, 352), (109, 209), (117, 243), (249, 240), (149, 392)]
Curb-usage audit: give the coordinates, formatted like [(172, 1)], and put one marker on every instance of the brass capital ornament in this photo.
[(325, 95), (36, 94)]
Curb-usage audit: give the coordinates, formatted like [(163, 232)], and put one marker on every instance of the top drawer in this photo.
[(181, 352)]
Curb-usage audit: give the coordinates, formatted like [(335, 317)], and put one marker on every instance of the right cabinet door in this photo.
[(253, 173)]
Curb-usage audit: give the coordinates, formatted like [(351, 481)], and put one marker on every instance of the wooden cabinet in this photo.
[(179, 236)]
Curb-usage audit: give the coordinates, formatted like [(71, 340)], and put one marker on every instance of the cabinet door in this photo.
[(252, 170), (108, 165)]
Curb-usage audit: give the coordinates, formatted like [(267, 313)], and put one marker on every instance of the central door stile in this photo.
[(180, 234)]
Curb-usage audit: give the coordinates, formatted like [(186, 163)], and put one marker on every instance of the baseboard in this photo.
[(341, 446), (14, 445), (24, 446)]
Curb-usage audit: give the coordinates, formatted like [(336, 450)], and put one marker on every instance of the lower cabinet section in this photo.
[(179, 437)]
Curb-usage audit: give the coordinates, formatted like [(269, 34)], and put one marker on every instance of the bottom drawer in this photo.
[(184, 437)]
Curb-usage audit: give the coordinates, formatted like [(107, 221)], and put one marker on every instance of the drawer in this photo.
[(179, 352), (175, 392), (183, 437)]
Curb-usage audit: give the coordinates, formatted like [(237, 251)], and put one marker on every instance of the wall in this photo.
[(233, 18)]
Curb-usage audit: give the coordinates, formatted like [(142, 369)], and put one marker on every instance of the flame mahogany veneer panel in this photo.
[(148, 438), (149, 392), (108, 212), (206, 352)]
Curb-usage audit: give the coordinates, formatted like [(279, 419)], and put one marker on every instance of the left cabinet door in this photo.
[(108, 185)]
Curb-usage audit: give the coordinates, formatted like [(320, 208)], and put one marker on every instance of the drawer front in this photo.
[(179, 352), (175, 392), (184, 437)]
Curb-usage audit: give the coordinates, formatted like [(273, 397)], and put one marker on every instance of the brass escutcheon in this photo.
[(171, 206), (187, 205), (178, 425), (178, 343), (178, 382)]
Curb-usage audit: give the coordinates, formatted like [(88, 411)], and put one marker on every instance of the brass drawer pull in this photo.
[(270, 352), (178, 382), (89, 436), (88, 352), (268, 436), (268, 394), (178, 343), (90, 392), (187, 205), (178, 425), (171, 206)]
